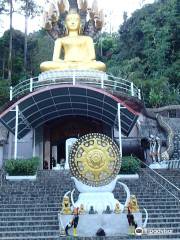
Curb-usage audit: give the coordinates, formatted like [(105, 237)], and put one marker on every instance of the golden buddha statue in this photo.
[(79, 50)]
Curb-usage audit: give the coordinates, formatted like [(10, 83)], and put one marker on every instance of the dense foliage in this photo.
[(145, 50), (130, 165), (40, 48), (22, 167)]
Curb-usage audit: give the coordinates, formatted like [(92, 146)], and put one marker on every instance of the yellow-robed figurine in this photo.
[(133, 204), (79, 50)]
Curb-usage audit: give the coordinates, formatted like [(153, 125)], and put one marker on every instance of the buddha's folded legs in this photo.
[(63, 65)]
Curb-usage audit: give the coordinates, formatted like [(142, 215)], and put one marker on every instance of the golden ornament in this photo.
[(95, 159)]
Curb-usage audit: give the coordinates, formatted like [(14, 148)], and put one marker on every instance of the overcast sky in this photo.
[(113, 9)]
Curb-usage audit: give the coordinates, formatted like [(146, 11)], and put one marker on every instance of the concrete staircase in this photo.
[(28, 209)]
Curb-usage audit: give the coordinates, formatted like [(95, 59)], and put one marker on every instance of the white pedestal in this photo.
[(98, 197), (69, 144), (113, 224), (160, 165)]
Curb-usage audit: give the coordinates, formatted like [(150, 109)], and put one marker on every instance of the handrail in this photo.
[(161, 176), (164, 188), (166, 180), (173, 164), (87, 77)]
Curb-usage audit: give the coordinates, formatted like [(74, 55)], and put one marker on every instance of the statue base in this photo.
[(159, 165), (73, 76), (113, 224), (98, 197)]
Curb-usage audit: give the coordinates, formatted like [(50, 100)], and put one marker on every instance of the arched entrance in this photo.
[(56, 133)]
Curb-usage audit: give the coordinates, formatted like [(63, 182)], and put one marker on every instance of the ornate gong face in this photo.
[(95, 159)]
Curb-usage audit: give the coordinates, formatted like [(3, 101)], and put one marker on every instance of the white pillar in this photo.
[(11, 93), (132, 89), (74, 78), (1, 156), (139, 94), (102, 81), (119, 128), (31, 85), (34, 143), (16, 132), (69, 144)]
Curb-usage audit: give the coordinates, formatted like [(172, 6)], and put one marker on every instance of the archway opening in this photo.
[(58, 131)]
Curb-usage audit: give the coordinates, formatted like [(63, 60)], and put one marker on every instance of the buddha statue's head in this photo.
[(73, 21)]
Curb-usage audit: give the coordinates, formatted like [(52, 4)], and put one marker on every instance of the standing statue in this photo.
[(152, 148), (155, 148), (78, 50), (158, 141), (73, 223)]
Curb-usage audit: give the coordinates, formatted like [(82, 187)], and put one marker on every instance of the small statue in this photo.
[(73, 222), (152, 148), (108, 210), (132, 223), (155, 148), (81, 209), (91, 211), (133, 205), (158, 141), (117, 209), (66, 209), (79, 50)]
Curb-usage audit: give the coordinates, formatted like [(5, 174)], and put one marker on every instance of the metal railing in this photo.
[(90, 78), (173, 164), (163, 182)]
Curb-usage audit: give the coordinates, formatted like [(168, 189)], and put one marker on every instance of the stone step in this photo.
[(58, 204), (159, 220), (28, 209), (163, 225), (169, 222), (54, 211), (49, 209), (35, 238), (26, 234), (57, 198), (29, 228), (32, 213), (164, 214), (28, 223), (29, 218)]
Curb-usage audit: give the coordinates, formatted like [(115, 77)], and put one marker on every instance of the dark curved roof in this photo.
[(57, 101)]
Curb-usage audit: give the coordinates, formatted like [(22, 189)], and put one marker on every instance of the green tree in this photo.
[(147, 51), (17, 55), (40, 50), (29, 9)]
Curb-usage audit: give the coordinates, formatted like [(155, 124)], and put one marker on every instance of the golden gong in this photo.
[(95, 159)]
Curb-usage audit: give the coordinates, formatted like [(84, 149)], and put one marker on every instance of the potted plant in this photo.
[(21, 169), (129, 167)]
